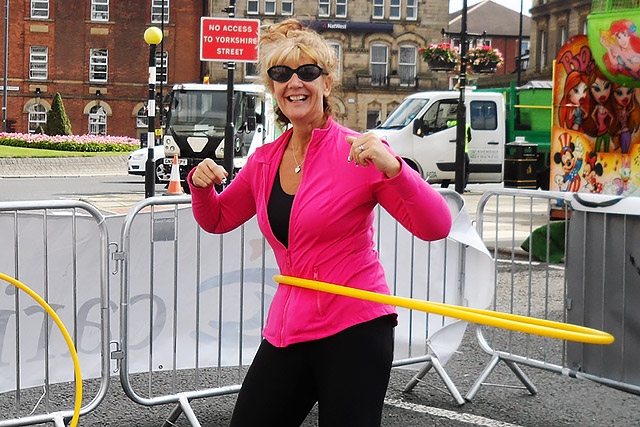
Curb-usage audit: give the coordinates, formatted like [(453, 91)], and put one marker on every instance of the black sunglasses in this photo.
[(306, 73)]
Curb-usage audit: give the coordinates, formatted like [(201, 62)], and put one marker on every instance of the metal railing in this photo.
[(42, 246), (537, 240)]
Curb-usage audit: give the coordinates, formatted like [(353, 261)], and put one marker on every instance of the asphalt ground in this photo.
[(560, 400)]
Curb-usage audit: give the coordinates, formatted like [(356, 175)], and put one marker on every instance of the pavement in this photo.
[(560, 401)]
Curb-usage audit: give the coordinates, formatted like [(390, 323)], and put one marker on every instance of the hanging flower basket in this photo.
[(441, 57), (488, 68), (441, 66), (484, 60)]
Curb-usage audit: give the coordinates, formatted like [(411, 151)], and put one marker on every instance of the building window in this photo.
[(142, 119), (40, 9), (100, 10), (269, 7), (251, 70), (407, 65), (543, 49), (341, 8), (379, 65), (38, 62), (97, 121), (324, 8), (378, 9), (337, 48), (162, 64), (287, 7), (159, 10), (412, 10), (37, 117), (98, 65), (373, 118), (253, 7), (394, 9), (563, 35)]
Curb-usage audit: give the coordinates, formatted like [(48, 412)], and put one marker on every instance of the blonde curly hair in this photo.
[(290, 40)]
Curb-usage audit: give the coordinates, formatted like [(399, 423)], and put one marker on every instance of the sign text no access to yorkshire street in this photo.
[(229, 40)]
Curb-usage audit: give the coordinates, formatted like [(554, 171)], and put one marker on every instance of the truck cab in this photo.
[(422, 130), (197, 117)]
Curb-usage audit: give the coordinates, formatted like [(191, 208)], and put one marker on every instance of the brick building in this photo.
[(93, 53)]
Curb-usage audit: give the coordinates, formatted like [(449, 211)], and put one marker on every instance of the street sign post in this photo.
[(229, 40)]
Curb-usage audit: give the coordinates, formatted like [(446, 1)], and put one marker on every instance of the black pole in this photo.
[(519, 61), (229, 130), (6, 66), (149, 172), (461, 117)]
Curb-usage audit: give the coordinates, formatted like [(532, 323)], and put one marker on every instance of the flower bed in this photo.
[(83, 143)]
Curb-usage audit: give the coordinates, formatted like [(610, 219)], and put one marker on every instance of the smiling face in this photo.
[(302, 102)]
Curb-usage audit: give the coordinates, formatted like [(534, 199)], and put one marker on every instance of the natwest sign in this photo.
[(229, 40)]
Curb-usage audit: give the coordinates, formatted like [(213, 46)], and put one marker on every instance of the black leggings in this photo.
[(347, 374)]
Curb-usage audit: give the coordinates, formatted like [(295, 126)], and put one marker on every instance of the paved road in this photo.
[(560, 401)]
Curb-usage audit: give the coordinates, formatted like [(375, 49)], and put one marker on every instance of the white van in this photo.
[(421, 130)]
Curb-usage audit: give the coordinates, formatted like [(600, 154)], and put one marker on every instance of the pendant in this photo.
[(297, 169)]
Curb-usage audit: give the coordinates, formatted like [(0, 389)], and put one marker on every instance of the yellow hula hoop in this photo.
[(514, 322), (67, 338)]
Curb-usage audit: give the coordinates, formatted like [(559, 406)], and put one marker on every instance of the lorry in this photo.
[(196, 117), (422, 131)]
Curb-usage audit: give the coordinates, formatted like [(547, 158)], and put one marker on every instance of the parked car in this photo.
[(136, 164)]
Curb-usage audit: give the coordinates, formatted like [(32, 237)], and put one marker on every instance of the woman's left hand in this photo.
[(368, 149)]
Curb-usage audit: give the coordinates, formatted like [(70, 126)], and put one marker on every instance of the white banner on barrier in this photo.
[(237, 278)]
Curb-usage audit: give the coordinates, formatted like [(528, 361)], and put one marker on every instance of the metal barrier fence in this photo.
[(193, 304), (540, 242), (42, 246)]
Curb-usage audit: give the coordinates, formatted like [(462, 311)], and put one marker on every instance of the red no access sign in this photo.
[(229, 40)]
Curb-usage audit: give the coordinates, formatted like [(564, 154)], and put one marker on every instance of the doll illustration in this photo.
[(600, 118), (574, 106), (571, 161), (627, 115), (623, 48), (592, 169)]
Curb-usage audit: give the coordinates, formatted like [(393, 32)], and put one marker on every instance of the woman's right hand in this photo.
[(208, 173)]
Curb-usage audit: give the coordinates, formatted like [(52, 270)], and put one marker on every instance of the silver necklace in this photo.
[(298, 167)]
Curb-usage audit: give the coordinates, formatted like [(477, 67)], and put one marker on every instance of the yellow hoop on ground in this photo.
[(514, 322), (72, 349)]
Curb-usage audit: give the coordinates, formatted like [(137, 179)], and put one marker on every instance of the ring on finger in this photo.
[(361, 147)]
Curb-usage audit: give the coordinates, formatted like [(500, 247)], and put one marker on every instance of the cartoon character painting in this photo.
[(600, 117), (622, 46), (590, 171), (596, 120), (627, 114), (571, 161), (574, 106)]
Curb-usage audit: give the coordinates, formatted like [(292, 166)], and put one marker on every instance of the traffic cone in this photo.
[(174, 180)]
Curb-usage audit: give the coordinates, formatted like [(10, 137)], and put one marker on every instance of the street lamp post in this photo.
[(153, 36), (462, 113)]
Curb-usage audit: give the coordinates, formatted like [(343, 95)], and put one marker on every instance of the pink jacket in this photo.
[(331, 229)]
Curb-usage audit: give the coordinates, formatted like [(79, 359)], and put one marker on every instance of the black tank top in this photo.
[(279, 211)]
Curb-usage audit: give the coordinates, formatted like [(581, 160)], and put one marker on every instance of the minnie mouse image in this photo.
[(571, 161)]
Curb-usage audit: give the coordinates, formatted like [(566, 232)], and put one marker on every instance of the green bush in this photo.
[(57, 120)]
